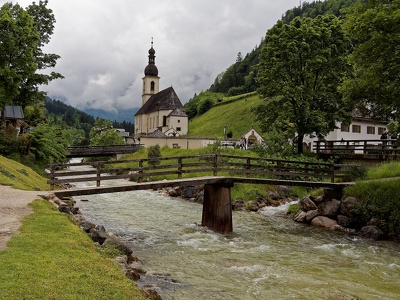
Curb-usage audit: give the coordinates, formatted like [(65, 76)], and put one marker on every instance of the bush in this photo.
[(154, 154), (380, 200)]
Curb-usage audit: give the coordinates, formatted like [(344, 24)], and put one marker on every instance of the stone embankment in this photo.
[(340, 215), (323, 211), (130, 265)]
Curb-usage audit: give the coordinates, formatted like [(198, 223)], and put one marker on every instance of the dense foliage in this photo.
[(375, 29), (103, 133), (301, 67), (317, 8), (23, 35)]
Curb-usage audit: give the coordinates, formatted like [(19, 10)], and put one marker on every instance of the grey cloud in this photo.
[(103, 45)]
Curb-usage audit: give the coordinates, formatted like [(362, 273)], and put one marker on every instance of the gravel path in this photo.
[(13, 208)]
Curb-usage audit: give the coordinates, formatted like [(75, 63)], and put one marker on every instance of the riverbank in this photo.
[(52, 258)]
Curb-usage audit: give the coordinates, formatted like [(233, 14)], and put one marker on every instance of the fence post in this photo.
[(140, 179), (52, 176), (278, 168), (318, 146), (215, 164), (98, 172), (180, 167), (365, 147), (248, 167), (333, 173)]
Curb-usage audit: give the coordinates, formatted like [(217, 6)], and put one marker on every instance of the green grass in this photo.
[(235, 116), (52, 258), (385, 170), (21, 177)]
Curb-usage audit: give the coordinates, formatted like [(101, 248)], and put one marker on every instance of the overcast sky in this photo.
[(104, 45)]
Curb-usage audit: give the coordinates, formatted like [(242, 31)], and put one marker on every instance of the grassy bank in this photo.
[(20, 177), (52, 258)]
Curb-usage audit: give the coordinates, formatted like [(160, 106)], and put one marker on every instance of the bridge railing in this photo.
[(193, 166), (365, 147), (85, 151)]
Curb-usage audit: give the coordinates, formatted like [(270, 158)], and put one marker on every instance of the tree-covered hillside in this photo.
[(67, 116), (240, 77)]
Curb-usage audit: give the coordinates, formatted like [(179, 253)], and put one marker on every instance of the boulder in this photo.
[(64, 209), (323, 221), (311, 214), (372, 232), (238, 205), (283, 190), (348, 206), (307, 204), (98, 236), (329, 208), (273, 195), (300, 216), (87, 226), (343, 220)]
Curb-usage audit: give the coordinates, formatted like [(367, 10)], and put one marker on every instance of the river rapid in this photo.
[(268, 256)]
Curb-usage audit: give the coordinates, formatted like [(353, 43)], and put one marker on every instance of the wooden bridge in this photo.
[(377, 150), (93, 151), (216, 172)]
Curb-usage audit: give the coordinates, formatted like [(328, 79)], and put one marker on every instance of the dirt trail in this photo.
[(13, 208)]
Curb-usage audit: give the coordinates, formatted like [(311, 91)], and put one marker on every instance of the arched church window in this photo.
[(152, 84)]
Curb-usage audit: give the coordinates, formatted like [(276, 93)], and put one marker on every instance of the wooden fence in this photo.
[(194, 166), (365, 147)]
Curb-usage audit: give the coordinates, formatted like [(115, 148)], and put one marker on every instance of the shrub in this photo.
[(154, 154), (380, 200)]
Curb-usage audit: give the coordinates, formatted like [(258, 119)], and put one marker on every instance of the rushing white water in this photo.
[(267, 256)]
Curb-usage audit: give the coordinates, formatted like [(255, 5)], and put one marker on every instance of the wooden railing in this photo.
[(365, 147), (86, 151), (194, 166)]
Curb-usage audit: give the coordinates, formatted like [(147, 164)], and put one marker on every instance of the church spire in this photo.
[(151, 69)]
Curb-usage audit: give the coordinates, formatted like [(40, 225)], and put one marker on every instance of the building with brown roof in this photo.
[(161, 111)]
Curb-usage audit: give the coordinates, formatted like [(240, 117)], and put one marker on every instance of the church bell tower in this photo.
[(151, 81)]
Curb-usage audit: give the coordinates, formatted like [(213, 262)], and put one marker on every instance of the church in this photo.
[(162, 113)]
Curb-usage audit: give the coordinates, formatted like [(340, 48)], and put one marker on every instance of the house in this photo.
[(361, 128), (250, 138), (14, 116), (161, 110)]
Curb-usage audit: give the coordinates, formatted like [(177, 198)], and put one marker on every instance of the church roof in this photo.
[(177, 112), (157, 133), (163, 100)]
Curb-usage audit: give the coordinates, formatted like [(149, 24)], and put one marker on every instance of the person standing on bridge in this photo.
[(384, 138)]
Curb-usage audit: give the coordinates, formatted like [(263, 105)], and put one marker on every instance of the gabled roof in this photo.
[(13, 112), (177, 112), (163, 100), (156, 133)]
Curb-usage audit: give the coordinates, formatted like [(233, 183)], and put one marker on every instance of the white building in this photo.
[(359, 129), (161, 110)]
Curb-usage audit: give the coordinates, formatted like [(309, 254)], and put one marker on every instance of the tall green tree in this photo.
[(18, 42), (301, 66), (23, 34), (375, 28), (103, 134)]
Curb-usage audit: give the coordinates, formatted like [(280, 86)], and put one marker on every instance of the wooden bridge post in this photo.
[(217, 207)]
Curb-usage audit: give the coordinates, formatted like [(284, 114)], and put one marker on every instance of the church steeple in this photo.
[(150, 79), (151, 69)]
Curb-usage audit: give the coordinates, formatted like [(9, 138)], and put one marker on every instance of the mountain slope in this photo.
[(236, 115)]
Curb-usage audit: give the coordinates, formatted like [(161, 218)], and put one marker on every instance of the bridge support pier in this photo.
[(217, 207)]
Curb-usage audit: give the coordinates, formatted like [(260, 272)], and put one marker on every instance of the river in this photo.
[(268, 256)]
